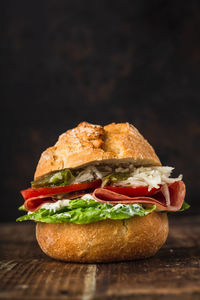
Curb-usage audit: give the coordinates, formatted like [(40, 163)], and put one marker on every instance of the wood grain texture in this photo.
[(174, 273)]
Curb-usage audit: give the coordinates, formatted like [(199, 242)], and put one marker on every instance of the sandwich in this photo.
[(100, 194)]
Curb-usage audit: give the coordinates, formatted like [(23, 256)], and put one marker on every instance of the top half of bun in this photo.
[(88, 143)]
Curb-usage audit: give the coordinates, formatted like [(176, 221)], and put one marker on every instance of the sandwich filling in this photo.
[(99, 192)]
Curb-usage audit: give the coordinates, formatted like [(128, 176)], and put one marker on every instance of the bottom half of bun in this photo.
[(104, 241)]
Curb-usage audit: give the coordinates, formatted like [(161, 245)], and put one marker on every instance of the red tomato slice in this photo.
[(49, 191), (132, 191)]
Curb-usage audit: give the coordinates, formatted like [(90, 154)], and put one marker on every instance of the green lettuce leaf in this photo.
[(22, 208), (184, 206), (81, 211)]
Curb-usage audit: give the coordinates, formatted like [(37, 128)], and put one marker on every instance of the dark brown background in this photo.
[(100, 61)]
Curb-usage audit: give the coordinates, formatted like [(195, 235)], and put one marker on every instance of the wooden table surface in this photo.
[(174, 273)]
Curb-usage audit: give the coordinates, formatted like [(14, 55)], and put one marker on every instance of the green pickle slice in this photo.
[(63, 177)]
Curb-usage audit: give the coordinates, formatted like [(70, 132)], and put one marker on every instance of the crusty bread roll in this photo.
[(88, 143), (104, 241), (108, 240)]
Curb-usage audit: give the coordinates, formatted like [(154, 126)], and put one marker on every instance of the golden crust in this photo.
[(104, 241), (88, 143)]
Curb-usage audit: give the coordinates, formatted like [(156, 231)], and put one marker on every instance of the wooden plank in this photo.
[(174, 273)]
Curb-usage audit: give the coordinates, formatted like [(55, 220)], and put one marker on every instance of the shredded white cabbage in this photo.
[(152, 177), (128, 169), (90, 173)]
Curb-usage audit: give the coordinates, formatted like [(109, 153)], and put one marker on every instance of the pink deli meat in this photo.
[(176, 191), (34, 203)]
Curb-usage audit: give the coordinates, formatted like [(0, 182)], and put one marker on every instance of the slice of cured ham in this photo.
[(34, 203), (176, 192)]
